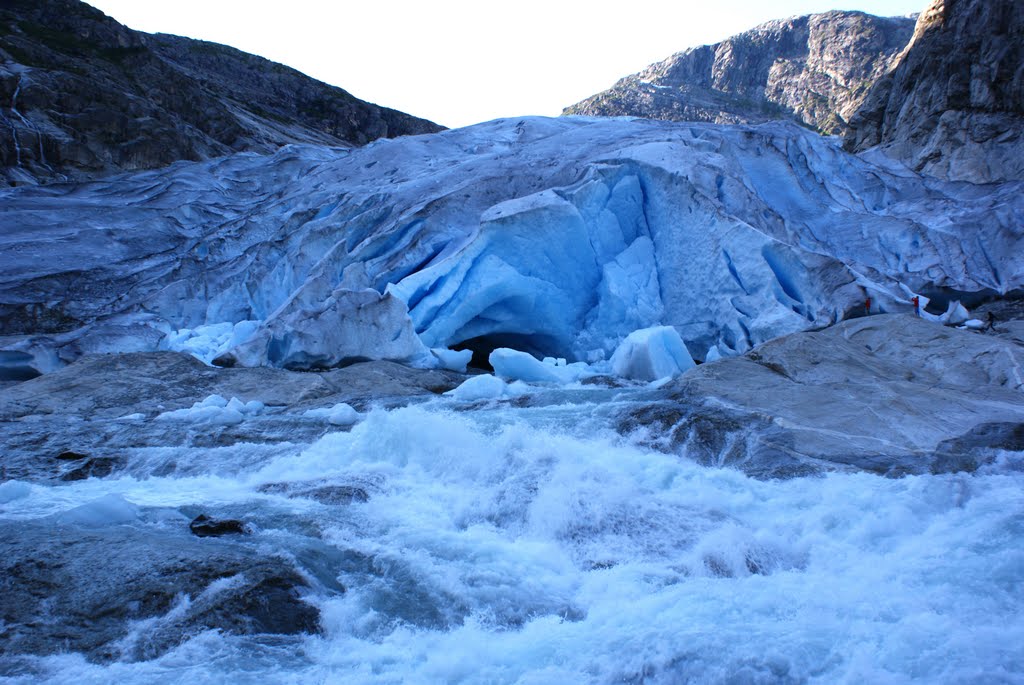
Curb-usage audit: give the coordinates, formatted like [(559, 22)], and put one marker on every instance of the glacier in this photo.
[(555, 237)]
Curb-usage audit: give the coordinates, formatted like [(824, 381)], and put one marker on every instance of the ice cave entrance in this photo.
[(538, 345)]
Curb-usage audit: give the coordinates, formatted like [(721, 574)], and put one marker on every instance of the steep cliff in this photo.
[(815, 69), (954, 105), (81, 94)]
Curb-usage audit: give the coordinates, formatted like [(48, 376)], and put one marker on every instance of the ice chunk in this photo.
[(453, 360), (341, 414), (348, 325), (209, 341), (12, 490), (516, 365), (214, 401), (108, 510), (484, 387), (215, 410), (956, 314), (651, 353), (975, 324)]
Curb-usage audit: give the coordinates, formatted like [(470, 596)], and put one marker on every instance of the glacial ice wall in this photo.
[(556, 236)]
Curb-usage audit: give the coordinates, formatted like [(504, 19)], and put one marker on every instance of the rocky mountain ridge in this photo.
[(81, 94), (954, 105), (814, 69)]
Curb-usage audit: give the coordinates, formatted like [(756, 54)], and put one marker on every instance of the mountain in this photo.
[(81, 94), (954, 105), (814, 69)]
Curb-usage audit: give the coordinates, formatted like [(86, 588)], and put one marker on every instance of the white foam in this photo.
[(570, 556)]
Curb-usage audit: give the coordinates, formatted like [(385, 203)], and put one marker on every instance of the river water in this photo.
[(534, 545)]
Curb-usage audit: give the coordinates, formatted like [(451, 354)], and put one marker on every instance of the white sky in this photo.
[(459, 62)]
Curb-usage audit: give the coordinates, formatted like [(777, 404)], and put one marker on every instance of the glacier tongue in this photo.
[(554, 236)]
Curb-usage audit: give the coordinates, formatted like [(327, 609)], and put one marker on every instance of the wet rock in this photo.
[(70, 455), (205, 527), (325, 494), (97, 467), (337, 494), (105, 404), (979, 446), (109, 592)]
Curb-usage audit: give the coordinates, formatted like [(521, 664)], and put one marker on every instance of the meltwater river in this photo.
[(530, 545)]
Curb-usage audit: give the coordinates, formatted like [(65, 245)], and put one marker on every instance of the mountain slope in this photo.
[(954, 106), (815, 69), (82, 94)]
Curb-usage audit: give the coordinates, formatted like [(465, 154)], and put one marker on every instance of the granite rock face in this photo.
[(80, 94), (891, 394), (954, 105), (814, 69)]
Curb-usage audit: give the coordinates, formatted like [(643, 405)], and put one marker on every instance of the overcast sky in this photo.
[(459, 62)]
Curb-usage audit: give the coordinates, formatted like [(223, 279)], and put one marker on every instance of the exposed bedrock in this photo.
[(97, 416), (953, 106), (891, 394), (492, 236), (126, 592)]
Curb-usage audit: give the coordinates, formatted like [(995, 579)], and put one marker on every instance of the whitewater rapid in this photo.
[(529, 544)]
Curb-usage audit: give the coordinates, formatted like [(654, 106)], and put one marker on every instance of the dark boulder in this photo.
[(205, 527)]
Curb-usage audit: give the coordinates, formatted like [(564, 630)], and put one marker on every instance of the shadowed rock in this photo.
[(954, 105), (111, 592), (205, 527), (83, 95)]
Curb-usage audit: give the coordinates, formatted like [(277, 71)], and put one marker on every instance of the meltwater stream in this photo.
[(500, 543)]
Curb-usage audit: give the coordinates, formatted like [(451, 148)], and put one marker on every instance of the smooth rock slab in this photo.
[(889, 394), (104, 407)]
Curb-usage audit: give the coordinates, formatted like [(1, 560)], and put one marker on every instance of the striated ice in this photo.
[(493, 236)]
